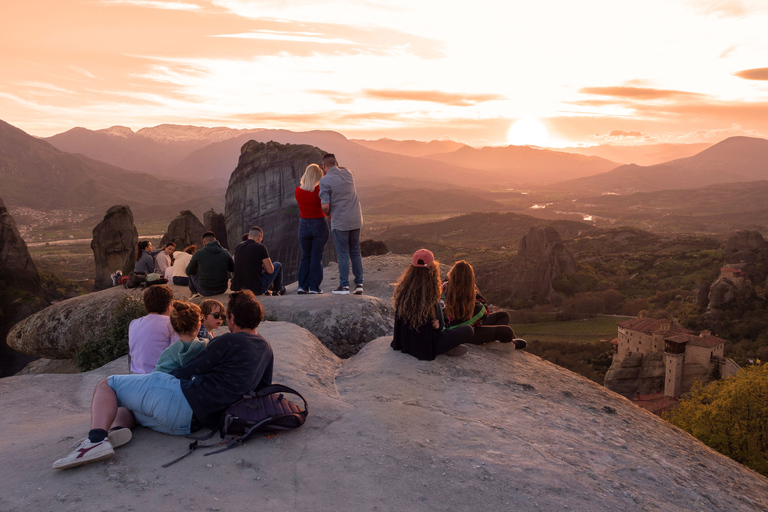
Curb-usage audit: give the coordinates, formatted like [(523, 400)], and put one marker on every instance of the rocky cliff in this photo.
[(745, 247), (217, 222), (261, 193), (385, 432), (186, 229), (114, 245), (637, 374), (540, 259), (20, 291)]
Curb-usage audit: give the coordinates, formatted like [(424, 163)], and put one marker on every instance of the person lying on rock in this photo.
[(185, 320), (149, 335), (418, 316), (212, 316), (192, 396), (464, 305), (254, 269)]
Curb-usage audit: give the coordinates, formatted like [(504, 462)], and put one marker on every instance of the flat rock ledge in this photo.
[(385, 432)]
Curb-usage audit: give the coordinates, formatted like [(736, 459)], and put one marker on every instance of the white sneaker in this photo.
[(359, 290), (85, 453), (117, 437)]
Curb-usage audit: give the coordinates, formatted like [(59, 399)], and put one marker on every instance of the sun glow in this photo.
[(528, 132)]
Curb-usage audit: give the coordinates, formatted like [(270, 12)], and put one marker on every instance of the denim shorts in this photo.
[(156, 401)]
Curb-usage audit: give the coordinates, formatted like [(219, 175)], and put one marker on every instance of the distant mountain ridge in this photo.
[(646, 154), (526, 165), (736, 159), (37, 175)]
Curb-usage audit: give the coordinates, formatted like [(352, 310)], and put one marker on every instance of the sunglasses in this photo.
[(218, 316)]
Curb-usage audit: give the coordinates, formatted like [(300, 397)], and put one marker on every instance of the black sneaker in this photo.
[(341, 290), (301, 291), (282, 291), (520, 343), (315, 292)]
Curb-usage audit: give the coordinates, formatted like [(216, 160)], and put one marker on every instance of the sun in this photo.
[(528, 132)]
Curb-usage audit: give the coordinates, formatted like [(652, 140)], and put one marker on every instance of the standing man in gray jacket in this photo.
[(338, 199)]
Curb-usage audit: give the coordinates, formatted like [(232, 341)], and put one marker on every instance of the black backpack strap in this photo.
[(192, 447), (236, 441)]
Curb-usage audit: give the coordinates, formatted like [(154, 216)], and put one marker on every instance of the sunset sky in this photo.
[(549, 72)]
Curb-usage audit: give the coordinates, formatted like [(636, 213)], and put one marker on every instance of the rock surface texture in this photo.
[(114, 245), (261, 193), (217, 223), (56, 331), (637, 374), (184, 230), (541, 258), (385, 432)]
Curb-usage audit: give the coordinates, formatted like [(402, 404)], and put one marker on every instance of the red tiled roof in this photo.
[(696, 341), (615, 341), (649, 326)]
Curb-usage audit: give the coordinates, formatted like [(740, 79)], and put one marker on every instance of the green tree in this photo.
[(731, 416)]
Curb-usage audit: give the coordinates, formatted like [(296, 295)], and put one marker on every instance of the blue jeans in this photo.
[(313, 235), (348, 248), (275, 277), (194, 287)]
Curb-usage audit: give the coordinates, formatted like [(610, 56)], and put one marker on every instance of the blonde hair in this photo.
[(416, 294), (311, 177)]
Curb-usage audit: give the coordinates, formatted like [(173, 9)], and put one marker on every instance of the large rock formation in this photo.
[(21, 293), (216, 222), (728, 287), (385, 432), (184, 230), (114, 245), (541, 258), (745, 247), (637, 374), (261, 193), (56, 331)]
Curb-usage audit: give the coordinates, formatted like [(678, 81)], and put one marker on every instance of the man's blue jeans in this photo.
[(194, 287), (275, 277), (313, 235), (348, 248)]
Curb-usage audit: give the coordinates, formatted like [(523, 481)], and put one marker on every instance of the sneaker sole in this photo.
[(340, 293), (79, 462), (119, 437), (360, 292)]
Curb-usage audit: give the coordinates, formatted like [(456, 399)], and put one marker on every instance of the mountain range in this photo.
[(736, 159), (37, 175)]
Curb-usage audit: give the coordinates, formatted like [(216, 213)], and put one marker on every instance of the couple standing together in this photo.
[(329, 190)]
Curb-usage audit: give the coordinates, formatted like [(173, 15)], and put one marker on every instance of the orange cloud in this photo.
[(640, 93), (445, 98), (753, 74)]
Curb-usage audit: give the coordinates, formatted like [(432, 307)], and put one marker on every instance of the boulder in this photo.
[(184, 230), (261, 193), (541, 258), (21, 293), (114, 245), (344, 323), (56, 331), (387, 432), (217, 223)]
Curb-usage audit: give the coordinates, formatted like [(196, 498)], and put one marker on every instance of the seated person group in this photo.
[(183, 377)]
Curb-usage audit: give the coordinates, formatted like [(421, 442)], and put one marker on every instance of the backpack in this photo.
[(266, 409)]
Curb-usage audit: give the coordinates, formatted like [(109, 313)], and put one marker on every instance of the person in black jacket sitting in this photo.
[(192, 396)]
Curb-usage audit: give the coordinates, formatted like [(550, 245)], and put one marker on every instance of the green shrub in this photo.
[(111, 343)]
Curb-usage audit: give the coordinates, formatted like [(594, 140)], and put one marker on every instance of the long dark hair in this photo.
[(460, 296), (142, 247), (416, 293)]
